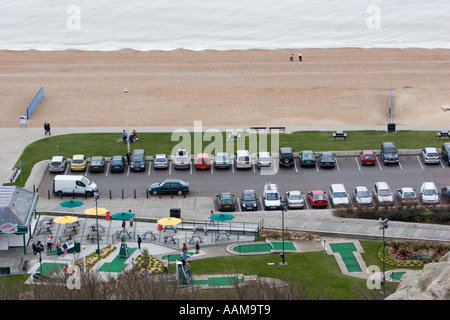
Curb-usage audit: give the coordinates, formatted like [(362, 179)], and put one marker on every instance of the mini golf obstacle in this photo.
[(348, 257), (262, 247)]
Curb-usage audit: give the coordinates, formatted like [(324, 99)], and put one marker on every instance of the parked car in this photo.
[(182, 159), (286, 157), (73, 185), (294, 200), (79, 163), (430, 155), (327, 160), (338, 195), (243, 160), (317, 199), (271, 197), (161, 161), (407, 196), (117, 164), (367, 158), (389, 153), (445, 192), (138, 161), (226, 201), (97, 164), (249, 200), (57, 164), (446, 152), (202, 161), (307, 158), (264, 159), (170, 186), (222, 160), (383, 193), (362, 196), (429, 193)]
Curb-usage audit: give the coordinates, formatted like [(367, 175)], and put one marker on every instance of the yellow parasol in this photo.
[(66, 219), (169, 221), (96, 211)]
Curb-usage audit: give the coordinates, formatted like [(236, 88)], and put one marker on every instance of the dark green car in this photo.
[(226, 201), (169, 186)]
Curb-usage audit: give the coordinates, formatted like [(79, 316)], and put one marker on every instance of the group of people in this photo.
[(47, 128), (291, 56), (131, 137), (61, 248)]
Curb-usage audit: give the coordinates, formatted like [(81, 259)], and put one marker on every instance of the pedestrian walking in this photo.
[(48, 129), (291, 56), (49, 243), (64, 247), (128, 157), (188, 268), (166, 266), (58, 248), (197, 247), (123, 224), (211, 221), (300, 56), (139, 240), (184, 251), (45, 128)]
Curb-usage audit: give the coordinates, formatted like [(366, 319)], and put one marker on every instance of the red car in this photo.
[(202, 161), (317, 198), (368, 158)]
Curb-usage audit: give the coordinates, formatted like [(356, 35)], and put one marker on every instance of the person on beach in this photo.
[(291, 56), (300, 56)]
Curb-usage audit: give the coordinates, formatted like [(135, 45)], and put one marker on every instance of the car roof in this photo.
[(78, 156), (382, 185), (429, 185), (57, 158), (97, 158), (338, 187), (286, 149), (117, 158), (361, 188), (317, 191), (430, 149), (249, 191), (294, 192), (160, 155), (408, 189), (202, 155), (264, 153)]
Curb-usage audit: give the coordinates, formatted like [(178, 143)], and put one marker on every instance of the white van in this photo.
[(69, 184), (271, 197), (243, 159)]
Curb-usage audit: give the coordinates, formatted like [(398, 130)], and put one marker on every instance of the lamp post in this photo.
[(282, 228), (96, 218), (128, 132), (384, 225)]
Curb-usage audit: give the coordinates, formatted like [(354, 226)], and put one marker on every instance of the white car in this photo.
[(338, 196), (429, 193), (182, 159), (264, 159), (430, 155), (161, 161), (407, 196), (295, 200), (271, 197), (383, 193), (362, 196)]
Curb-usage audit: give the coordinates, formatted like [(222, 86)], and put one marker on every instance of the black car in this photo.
[(249, 200), (117, 164), (138, 162), (226, 201), (327, 160), (446, 153), (307, 158), (97, 164), (389, 153), (286, 157), (445, 191), (170, 186)]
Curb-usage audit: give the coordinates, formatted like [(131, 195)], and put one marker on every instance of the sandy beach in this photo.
[(226, 88)]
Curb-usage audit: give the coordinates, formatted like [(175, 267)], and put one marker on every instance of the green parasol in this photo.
[(123, 216)]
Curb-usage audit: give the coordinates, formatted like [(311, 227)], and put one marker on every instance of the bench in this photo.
[(258, 128), (282, 129), (13, 175), (446, 107), (339, 134), (443, 134)]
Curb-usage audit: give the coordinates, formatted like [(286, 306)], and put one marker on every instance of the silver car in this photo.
[(161, 162), (222, 160), (362, 196), (407, 196), (430, 155), (264, 160), (295, 200), (182, 160)]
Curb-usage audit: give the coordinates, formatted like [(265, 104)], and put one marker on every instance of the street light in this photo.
[(384, 225), (128, 132), (282, 227), (96, 218)]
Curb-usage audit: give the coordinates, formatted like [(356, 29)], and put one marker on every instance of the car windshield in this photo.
[(160, 160), (295, 197), (182, 159), (138, 158), (78, 161), (86, 181), (340, 194), (264, 159), (308, 156), (363, 194), (429, 192), (286, 155), (272, 196), (327, 157), (55, 163), (222, 158), (384, 193), (390, 150), (243, 158), (319, 196), (368, 156), (409, 194), (432, 154), (249, 196)]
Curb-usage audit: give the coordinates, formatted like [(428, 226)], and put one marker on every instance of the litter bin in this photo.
[(75, 248), (391, 127), (175, 213)]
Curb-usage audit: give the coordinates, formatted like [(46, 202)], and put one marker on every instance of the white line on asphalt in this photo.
[(107, 169), (295, 166), (190, 167), (337, 165), (379, 166), (441, 164), (212, 168), (149, 168), (357, 163), (238, 204), (400, 165), (170, 168), (418, 159), (128, 172), (317, 167)]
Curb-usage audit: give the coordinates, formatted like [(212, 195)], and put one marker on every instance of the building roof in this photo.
[(16, 205)]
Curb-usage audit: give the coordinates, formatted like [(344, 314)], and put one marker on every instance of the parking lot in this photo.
[(411, 172)]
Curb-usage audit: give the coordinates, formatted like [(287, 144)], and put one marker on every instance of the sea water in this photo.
[(222, 25)]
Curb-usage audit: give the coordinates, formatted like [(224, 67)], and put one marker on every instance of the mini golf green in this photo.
[(176, 256), (397, 275), (346, 252), (118, 264), (47, 268), (264, 247), (218, 281)]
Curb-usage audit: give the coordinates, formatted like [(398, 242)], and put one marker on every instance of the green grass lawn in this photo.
[(105, 144)]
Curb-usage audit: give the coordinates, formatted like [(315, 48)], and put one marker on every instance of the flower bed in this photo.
[(93, 258)]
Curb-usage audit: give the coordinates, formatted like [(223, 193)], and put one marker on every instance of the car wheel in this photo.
[(154, 192), (180, 193), (59, 193), (89, 194)]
